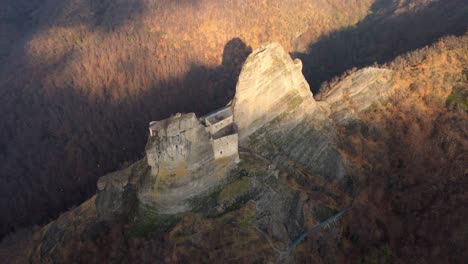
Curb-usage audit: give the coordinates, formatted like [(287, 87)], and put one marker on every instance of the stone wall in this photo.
[(183, 164), (175, 124), (220, 125), (218, 115), (226, 146), (169, 150)]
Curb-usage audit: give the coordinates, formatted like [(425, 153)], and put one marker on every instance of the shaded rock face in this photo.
[(116, 190), (278, 117)]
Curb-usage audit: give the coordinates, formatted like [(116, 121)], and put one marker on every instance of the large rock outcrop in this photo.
[(270, 85), (357, 92), (274, 115), (275, 194), (278, 117), (116, 190)]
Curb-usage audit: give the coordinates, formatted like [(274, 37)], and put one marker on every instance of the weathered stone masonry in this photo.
[(226, 146), (173, 146), (224, 139)]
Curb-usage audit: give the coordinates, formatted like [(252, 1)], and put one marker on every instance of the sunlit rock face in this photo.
[(270, 84), (357, 92), (278, 117)]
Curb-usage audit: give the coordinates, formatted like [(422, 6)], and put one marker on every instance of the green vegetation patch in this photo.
[(148, 223), (458, 100), (247, 221), (206, 204), (234, 191), (294, 102), (322, 213)]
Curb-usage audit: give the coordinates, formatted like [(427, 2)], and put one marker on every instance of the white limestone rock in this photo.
[(270, 84), (357, 92), (278, 117)]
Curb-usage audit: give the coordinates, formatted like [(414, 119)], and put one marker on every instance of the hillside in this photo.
[(375, 171), (79, 86), (80, 80), (410, 156)]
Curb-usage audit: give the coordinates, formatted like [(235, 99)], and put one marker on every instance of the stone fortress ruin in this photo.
[(172, 140), (188, 156), (219, 125)]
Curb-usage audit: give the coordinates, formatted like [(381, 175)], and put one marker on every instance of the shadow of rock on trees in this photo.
[(215, 87), (388, 31), (54, 145)]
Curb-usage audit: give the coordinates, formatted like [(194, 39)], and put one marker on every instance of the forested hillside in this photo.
[(404, 188), (411, 158), (80, 80)]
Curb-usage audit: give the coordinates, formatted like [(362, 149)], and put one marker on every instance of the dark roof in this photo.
[(218, 115), (231, 129)]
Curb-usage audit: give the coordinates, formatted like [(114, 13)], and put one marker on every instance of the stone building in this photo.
[(188, 157), (219, 124), (224, 139), (225, 142), (173, 126), (218, 119), (175, 139)]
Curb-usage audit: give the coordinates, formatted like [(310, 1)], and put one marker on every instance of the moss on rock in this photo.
[(234, 191), (148, 223)]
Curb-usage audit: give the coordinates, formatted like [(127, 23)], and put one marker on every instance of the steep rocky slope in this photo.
[(77, 76), (277, 116), (410, 158), (149, 199), (388, 142)]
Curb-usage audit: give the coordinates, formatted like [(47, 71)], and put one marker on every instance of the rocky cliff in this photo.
[(357, 92), (278, 117), (270, 85)]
